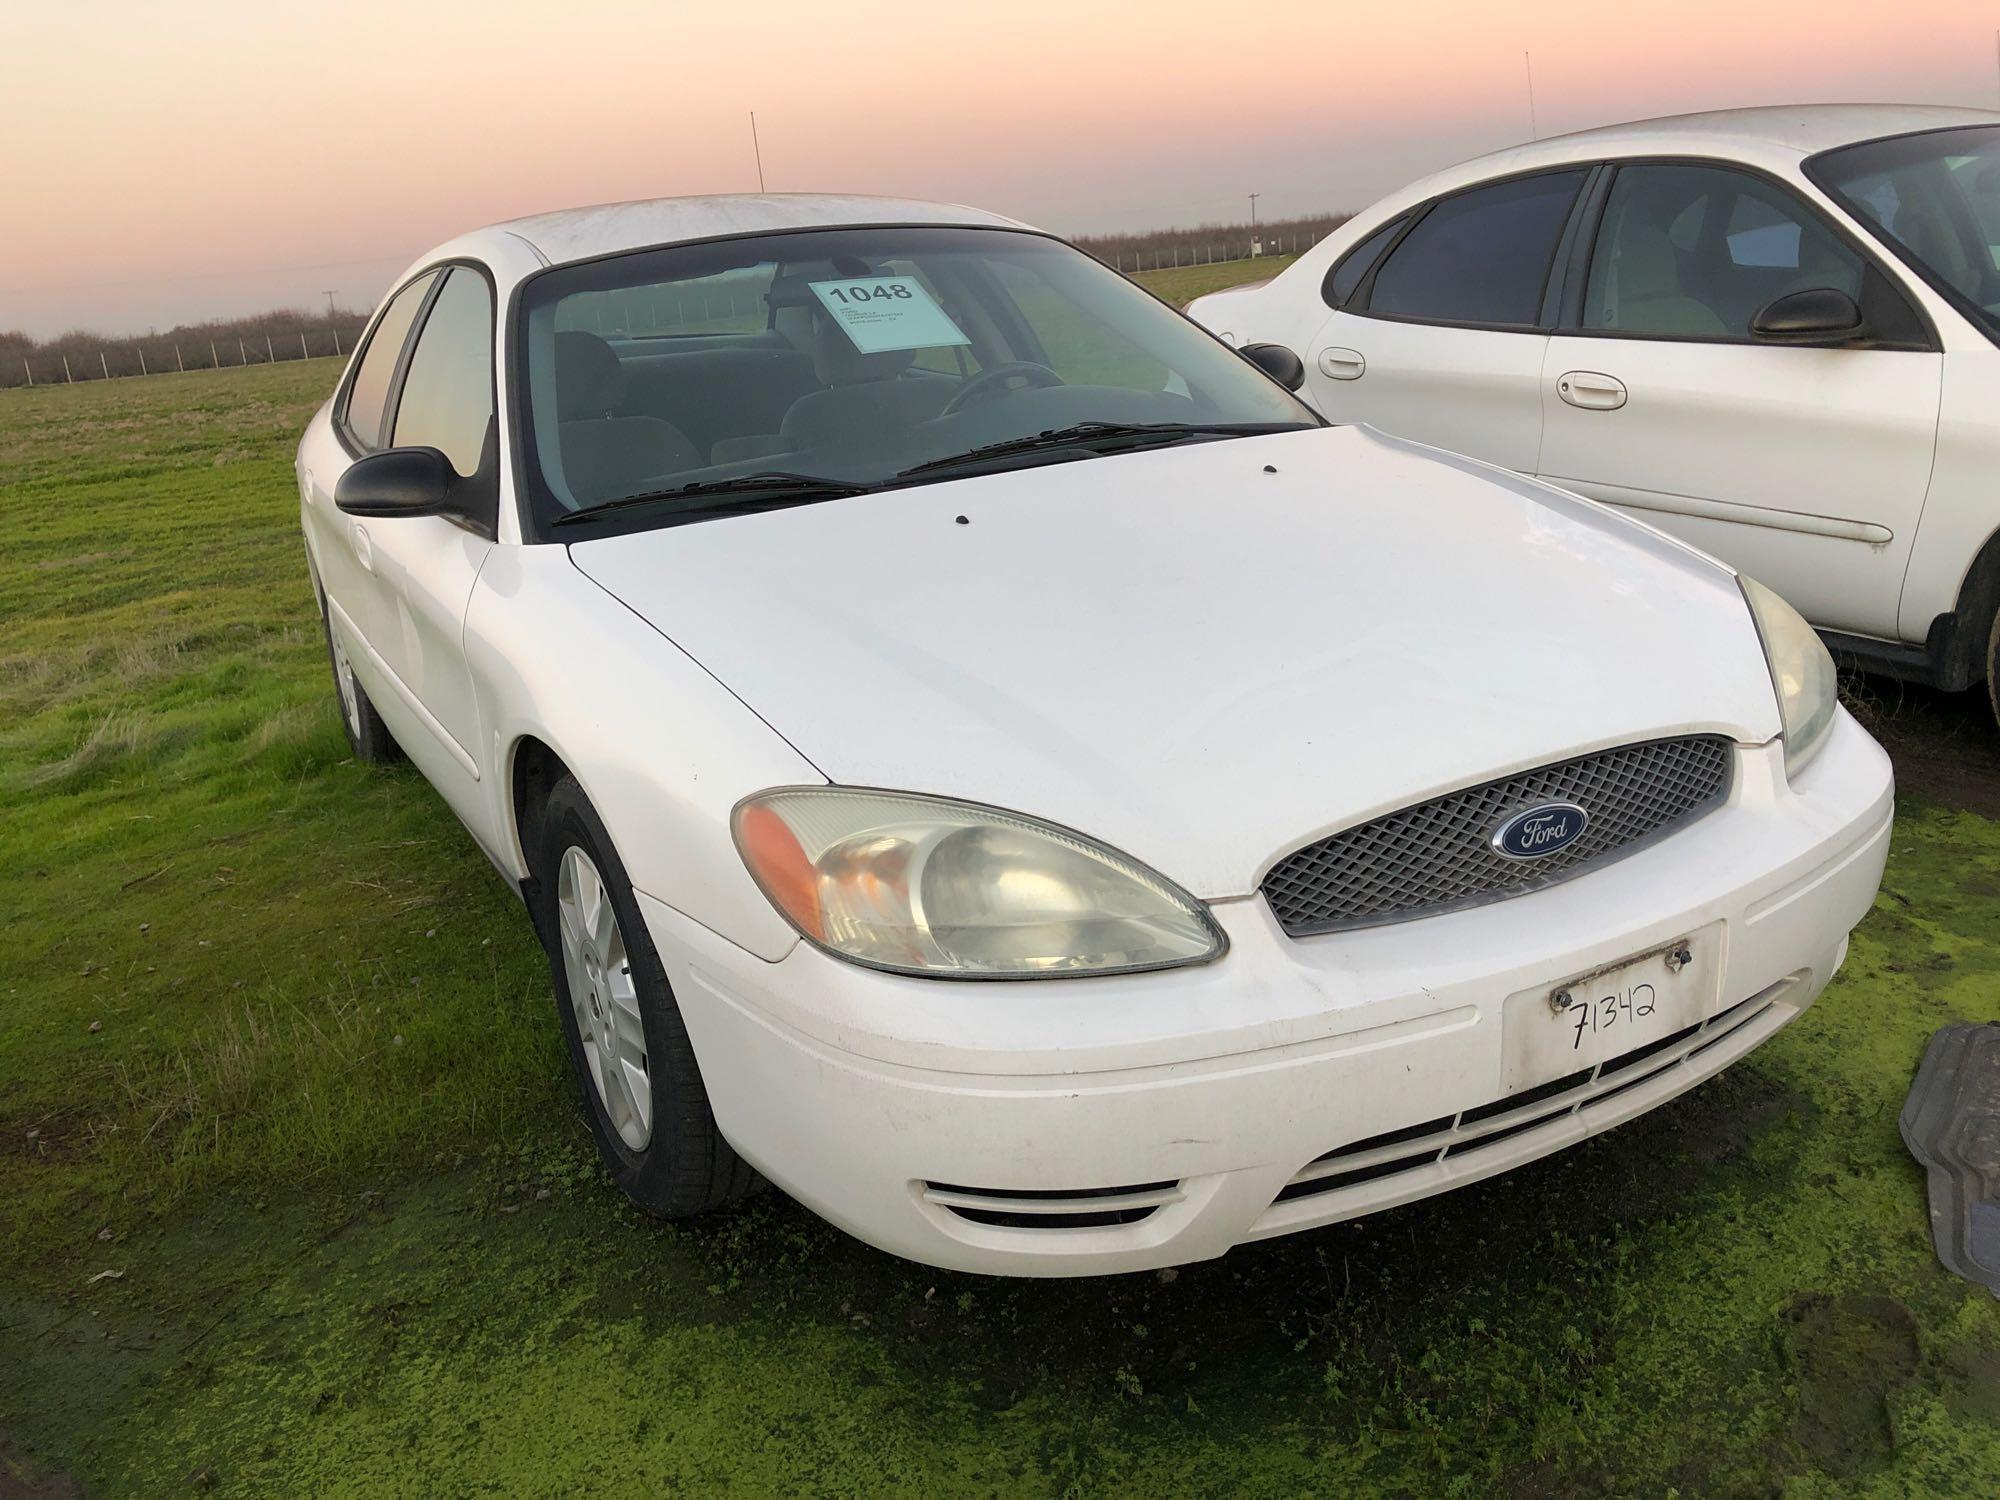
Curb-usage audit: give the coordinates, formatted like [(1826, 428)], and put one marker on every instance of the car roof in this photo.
[(608, 228), (1799, 128), (1773, 136)]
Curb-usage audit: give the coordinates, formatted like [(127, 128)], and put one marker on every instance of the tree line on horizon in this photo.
[(215, 343), (300, 332), (1202, 240)]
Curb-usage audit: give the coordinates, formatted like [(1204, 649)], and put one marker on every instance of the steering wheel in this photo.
[(988, 382)]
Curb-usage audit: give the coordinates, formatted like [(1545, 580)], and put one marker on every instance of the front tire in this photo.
[(642, 1090)]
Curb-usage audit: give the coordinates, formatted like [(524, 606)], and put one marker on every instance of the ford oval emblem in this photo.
[(1537, 832)]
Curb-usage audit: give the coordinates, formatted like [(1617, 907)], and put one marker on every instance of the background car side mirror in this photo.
[(1278, 362), (1817, 315)]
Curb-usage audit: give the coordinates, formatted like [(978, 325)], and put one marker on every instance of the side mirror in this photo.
[(1817, 315), (397, 482), (1278, 362)]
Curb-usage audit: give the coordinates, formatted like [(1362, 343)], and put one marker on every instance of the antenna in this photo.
[(1534, 129), (758, 149)]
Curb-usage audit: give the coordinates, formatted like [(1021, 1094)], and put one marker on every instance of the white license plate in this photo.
[(1575, 1024)]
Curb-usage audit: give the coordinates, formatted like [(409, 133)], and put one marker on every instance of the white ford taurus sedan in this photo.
[(982, 755), (1774, 333)]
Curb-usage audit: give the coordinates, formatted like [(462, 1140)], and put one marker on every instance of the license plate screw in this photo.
[(1560, 1001), (1679, 958)]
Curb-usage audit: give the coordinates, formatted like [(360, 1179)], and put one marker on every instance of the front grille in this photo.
[(1053, 1208), (1436, 856), (1416, 1147)]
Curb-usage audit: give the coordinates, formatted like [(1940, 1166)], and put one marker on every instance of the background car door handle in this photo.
[(1342, 364), (363, 553), (1591, 391)]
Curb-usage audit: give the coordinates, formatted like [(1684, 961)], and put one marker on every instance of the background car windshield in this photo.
[(850, 354), (1935, 196)]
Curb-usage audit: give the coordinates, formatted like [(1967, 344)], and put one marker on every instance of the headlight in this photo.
[(920, 885), (1801, 670)]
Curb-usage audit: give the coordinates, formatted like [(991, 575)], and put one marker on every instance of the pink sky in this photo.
[(216, 156)]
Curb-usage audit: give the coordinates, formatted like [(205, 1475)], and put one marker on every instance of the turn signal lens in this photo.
[(921, 885)]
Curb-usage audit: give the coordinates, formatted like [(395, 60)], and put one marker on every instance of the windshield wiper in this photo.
[(1098, 437), (740, 495)]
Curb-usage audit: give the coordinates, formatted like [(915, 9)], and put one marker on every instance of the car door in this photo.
[(1806, 467), (426, 565), (1439, 320), (342, 545)]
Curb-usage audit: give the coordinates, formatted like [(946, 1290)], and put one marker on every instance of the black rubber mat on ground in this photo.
[(1951, 1123)]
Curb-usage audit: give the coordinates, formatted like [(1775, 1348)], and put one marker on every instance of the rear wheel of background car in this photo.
[(1993, 667), (642, 1090), (366, 732)]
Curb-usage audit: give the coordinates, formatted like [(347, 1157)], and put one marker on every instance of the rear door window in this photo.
[(1346, 276), (368, 394), (1480, 257)]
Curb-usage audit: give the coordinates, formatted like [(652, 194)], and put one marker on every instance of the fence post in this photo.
[(68, 379), (142, 359), (180, 365)]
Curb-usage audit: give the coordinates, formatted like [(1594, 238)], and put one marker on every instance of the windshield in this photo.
[(1936, 198), (854, 357)]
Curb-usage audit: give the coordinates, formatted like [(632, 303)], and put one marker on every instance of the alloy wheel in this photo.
[(603, 998)]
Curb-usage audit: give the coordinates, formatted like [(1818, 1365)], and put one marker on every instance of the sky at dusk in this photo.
[(178, 161)]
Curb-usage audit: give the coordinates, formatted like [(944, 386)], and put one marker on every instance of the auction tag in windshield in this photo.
[(881, 314)]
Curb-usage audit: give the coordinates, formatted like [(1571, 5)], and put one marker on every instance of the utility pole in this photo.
[(759, 150), (329, 303), (1534, 128), (1253, 209)]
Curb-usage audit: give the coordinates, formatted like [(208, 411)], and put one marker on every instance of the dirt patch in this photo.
[(1972, 1387), (1851, 1354), (1945, 745), (18, 1483)]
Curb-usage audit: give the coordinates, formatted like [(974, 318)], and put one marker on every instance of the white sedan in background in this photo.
[(1773, 332), (981, 754)]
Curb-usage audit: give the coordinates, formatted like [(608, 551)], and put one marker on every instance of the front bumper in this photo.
[(1230, 1099)]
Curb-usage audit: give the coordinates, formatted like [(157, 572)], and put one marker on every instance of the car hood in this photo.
[(1206, 655)]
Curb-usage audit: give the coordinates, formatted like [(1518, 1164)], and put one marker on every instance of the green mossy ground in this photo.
[(277, 1048)]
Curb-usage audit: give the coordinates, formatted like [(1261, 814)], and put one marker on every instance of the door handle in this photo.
[(1342, 364), (1591, 391), (363, 553)]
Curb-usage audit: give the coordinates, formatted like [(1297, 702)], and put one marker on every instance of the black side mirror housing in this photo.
[(422, 482), (397, 482), (1278, 362), (1817, 315)]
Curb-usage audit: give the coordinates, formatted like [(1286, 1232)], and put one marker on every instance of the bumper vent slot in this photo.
[(1419, 1146), (1436, 856), (1053, 1208)]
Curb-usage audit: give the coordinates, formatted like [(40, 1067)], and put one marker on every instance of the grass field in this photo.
[(293, 1198)]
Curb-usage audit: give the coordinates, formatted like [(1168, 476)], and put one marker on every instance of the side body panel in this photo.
[(1806, 468), (1473, 391), (661, 748), (1963, 513)]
